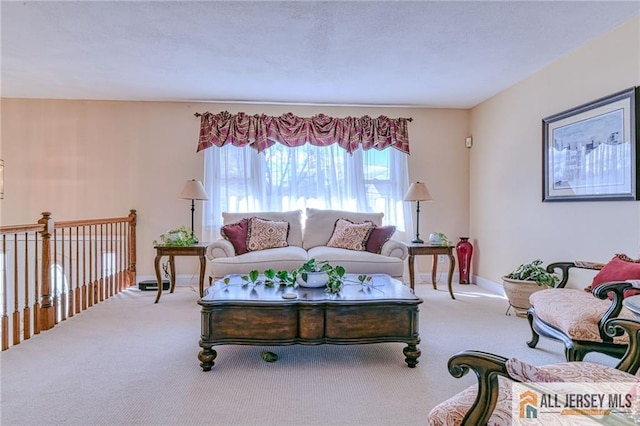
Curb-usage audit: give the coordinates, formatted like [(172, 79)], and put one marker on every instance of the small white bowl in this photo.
[(314, 279)]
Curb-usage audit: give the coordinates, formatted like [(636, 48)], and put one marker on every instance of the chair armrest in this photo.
[(630, 362), (220, 248), (616, 291), (487, 367), (394, 248), (565, 266)]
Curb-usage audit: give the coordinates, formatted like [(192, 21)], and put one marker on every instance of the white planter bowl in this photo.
[(313, 279)]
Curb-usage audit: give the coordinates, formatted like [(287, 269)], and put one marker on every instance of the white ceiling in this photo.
[(407, 53)]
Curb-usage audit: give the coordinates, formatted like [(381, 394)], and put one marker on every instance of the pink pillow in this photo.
[(236, 233), (379, 235), (620, 268)]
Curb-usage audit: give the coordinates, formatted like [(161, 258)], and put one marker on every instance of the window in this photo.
[(283, 178)]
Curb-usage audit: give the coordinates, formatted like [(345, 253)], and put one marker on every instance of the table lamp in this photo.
[(418, 192), (193, 190)]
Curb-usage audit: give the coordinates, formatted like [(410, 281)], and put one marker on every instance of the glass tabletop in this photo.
[(381, 287)]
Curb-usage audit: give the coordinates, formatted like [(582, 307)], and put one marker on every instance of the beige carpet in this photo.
[(130, 361)]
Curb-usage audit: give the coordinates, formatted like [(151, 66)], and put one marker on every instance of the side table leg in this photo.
[(434, 268), (411, 352), (172, 273), (158, 277), (452, 266), (203, 266), (206, 357), (411, 274)]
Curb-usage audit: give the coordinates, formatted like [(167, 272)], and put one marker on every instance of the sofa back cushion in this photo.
[(318, 226), (293, 217)]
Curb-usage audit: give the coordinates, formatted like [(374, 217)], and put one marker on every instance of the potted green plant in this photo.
[(177, 237), (526, 279), (319, 274)]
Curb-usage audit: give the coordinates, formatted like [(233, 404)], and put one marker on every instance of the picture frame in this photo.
[(590, 152)]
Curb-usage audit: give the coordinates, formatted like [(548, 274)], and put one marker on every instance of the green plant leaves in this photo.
[(269, 356), (534, 272)]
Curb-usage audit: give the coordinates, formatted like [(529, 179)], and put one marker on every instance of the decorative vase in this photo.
[(312, 279), (518, 292), (464, 250)]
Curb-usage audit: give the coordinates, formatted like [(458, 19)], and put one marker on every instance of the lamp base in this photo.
[(417, 241)]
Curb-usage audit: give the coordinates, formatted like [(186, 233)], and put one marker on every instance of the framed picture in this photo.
[(590, 152)]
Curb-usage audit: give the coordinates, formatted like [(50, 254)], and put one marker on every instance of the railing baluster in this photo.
[(71, 291), (16, 291), (85, 295), (27, 310), (5, 317), (78, 291), (36, 289)]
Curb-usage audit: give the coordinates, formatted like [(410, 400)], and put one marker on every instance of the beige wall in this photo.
[(508, 222), (88, 159)]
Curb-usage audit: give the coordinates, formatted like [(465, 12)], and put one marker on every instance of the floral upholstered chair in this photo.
[(576, 317), (490, 401)]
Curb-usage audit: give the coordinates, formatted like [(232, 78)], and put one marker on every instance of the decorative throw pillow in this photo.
[(524, 372), (349, 235), (379, 235), (236, 233), (620, 268), (264, 234)]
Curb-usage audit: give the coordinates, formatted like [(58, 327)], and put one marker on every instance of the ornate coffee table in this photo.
[(383, 311)]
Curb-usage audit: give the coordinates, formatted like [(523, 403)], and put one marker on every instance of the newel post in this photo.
[(133, 221), (47, 310)]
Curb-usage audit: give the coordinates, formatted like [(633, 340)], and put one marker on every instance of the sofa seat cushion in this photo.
[(359, 262), (575, 312), (451, 411), (281, 258)]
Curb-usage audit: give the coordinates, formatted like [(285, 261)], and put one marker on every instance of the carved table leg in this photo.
[(206, 357), (411, 272), (412, 353), (156, 263)]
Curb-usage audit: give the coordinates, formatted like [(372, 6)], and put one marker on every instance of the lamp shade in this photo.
[(418, 192), (193, 190)]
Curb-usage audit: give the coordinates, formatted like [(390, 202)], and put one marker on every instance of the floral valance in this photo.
[(262, 131)]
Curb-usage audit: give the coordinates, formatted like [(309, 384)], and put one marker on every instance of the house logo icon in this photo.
[(528, 405)]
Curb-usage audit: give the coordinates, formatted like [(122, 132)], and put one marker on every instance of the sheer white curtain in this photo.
[(283, 178)]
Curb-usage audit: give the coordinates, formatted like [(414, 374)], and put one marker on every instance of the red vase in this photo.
[(464, 250)]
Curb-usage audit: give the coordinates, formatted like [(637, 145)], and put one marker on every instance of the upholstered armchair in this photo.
[(490, 401), (576, 317)]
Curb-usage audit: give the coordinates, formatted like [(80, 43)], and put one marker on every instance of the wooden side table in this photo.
[(425, 249), (171, 251)]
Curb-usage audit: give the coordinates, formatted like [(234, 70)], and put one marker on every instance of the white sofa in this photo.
[(306, 242)]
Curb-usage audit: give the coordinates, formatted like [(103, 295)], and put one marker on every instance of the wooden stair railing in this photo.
[(51, 271)]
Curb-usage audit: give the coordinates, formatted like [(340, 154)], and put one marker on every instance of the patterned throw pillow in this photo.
[(524, 372), (379, 235), (265, 234), (349, 235), (236, 233), (620, 268)]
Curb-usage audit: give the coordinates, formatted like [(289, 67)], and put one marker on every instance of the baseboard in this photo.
[(489, 285)]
